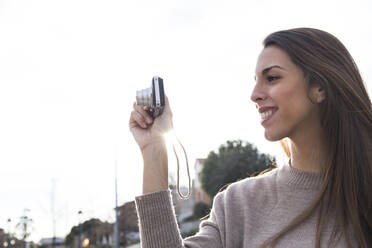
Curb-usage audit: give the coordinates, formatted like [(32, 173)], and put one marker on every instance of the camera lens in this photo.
[(144, 97)]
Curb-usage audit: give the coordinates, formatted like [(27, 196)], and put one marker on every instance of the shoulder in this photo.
[(255, 184), (250, 189), (250, 198)]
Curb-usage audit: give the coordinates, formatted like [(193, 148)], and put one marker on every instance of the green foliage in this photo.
[(201, 209), (84, 227), (234, 160), (189, 234)]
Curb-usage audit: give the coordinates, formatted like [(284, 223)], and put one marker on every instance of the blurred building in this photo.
[(52, 243), (9, 241), (184, 208), (128, 223)]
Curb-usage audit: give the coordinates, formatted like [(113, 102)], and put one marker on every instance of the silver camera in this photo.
[(152, 97)]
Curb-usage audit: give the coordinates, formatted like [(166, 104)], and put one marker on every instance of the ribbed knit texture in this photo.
[(244, 215)]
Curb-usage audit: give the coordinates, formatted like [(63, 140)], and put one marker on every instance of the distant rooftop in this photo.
[(49, 241)]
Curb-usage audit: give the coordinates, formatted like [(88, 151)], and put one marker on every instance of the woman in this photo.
[(311, 97)]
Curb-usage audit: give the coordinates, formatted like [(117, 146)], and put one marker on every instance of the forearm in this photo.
[(155, 168), (159, 229)]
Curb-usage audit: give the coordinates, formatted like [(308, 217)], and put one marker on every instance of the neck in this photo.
[(308, 150)]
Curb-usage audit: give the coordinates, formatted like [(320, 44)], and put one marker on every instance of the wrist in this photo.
[(155, 170), (156, 144)]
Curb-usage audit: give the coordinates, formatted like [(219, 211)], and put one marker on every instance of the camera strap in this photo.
[(187, 196)]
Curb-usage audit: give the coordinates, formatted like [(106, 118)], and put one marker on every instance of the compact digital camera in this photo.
[(152, 97)]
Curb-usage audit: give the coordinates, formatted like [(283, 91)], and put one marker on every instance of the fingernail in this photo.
[(149, 121)]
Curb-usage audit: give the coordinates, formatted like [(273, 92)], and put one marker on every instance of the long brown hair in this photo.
[(346, 116)]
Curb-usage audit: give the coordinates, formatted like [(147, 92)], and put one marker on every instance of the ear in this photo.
[(321, 95), (318, 93)]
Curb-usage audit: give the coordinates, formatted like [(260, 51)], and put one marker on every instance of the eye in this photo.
[(272, 78)]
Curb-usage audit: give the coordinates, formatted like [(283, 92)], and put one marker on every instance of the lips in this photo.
[(267, 113)]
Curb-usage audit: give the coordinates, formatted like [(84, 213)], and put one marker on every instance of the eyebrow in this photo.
[(266, 70)]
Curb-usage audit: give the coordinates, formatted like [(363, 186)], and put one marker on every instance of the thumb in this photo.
[(167, 108)]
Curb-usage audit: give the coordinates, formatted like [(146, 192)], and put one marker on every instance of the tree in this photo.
[(201, 209), (234, 160), (93, 229)]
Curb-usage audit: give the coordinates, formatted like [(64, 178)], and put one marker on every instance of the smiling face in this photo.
[(282, 96)]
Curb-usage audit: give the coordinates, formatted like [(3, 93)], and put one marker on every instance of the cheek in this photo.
[(291, 98), (286, 99), (293, 109)]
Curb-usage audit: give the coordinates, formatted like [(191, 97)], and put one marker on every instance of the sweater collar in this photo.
[(296, 178)]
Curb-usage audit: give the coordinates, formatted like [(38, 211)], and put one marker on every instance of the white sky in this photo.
[(69, 71)]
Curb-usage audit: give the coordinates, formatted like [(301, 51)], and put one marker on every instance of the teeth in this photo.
[(264, 115)]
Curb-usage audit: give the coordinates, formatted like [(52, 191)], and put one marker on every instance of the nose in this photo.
[(258, 94)]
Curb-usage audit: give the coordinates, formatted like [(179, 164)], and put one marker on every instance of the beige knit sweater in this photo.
[(244, 215)]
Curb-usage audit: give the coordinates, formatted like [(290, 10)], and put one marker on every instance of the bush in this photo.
[(201, 209)]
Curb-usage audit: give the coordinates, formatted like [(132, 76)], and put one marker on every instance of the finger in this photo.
[(132, 122), (142, 110), (136, 119)]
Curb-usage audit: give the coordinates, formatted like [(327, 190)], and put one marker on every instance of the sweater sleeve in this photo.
[(158, 224)]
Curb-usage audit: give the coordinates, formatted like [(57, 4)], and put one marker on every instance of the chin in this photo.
[(271, 135)]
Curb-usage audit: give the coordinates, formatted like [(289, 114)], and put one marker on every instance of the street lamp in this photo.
[(9, 225), (10, 238), (80, 229)]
